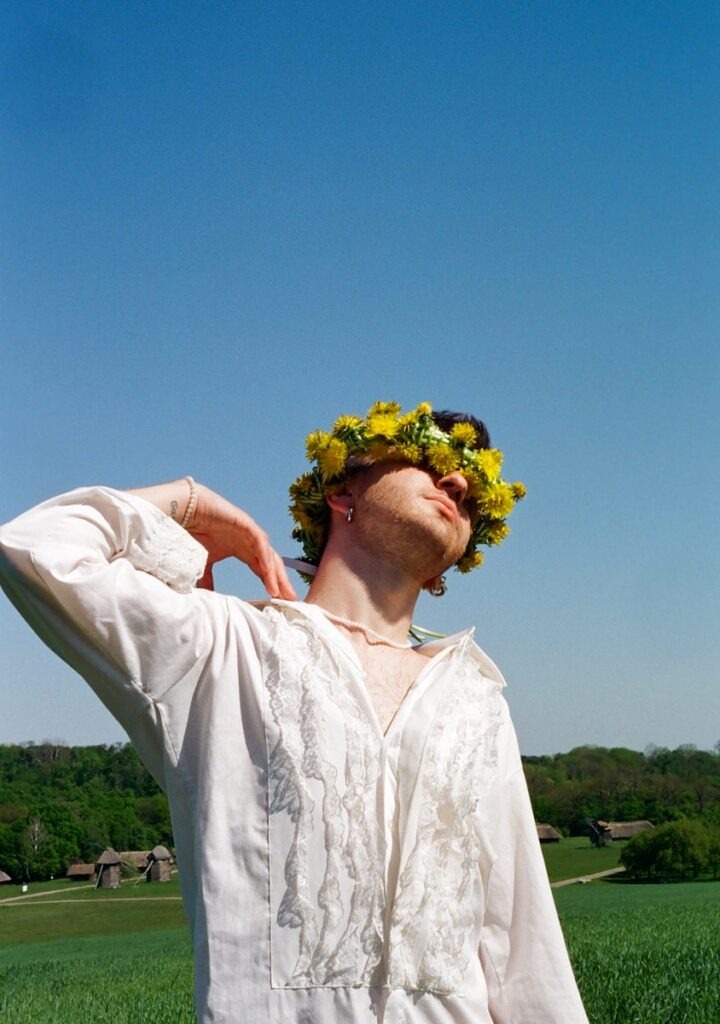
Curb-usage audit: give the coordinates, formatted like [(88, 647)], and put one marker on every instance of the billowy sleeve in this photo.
[(527, 969), (106, 580)]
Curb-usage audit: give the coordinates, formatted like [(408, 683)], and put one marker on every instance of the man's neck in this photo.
[(369, 593)]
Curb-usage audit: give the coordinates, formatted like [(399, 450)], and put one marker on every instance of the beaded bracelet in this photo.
[(191, 503)]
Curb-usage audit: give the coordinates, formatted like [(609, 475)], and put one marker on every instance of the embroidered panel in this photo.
[(437, 912), (326, 852)]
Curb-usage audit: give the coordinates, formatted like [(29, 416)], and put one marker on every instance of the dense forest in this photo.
[(618, 784), (59, 802)]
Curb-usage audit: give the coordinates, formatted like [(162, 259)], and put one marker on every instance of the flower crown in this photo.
[(415, 438)]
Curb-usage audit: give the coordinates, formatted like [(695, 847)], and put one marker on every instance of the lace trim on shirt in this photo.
[(170, 555), (339, 939), (434, 921)]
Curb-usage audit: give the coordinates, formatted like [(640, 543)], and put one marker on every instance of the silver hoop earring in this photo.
[(349, 514), (439, 587)]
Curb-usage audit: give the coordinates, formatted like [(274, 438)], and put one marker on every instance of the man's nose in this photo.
[(454, 485)]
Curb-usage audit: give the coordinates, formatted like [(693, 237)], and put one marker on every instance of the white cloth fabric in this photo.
[(330, 874)]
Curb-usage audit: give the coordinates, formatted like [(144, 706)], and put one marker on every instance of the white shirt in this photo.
[(330, 874)]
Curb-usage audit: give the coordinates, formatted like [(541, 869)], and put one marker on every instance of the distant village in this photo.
[(67, 811), (156, 865), (106, 872)]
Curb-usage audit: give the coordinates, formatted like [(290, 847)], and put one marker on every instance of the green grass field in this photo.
[(571, 858), (643, 954)]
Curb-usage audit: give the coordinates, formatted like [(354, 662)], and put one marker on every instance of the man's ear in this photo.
[(341, 502)]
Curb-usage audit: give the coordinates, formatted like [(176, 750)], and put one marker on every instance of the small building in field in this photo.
[(4, 878), (137, 859), (547, 834), (602, 833), (159, 865), (108, 869), (80, 872)]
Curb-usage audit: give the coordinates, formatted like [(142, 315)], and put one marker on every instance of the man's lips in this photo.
[(447, 507)]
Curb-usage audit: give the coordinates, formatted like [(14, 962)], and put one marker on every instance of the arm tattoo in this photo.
[(173, 509)]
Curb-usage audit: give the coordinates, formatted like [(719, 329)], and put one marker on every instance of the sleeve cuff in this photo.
[(167, 552)]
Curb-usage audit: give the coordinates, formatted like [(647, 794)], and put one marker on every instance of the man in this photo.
[(353, 829)]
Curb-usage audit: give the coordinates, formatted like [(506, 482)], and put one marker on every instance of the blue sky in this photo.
[(225, 224)]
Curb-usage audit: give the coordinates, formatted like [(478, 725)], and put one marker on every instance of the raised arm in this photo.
[(106, 579)]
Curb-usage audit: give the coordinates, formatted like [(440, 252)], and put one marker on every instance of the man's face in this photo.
[(411, 516)]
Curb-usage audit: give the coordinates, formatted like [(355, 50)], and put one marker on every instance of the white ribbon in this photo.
[(300, 566)]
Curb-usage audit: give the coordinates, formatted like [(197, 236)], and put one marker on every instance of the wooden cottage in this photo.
[(602, 833), (108, 870), (547, 834), (80, 872), (159, 865), (135, 859), (4, 878)]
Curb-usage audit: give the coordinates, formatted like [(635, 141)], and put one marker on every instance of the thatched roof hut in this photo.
[(604, 832), (80, 872), (137, 859), (108, 869), (547, 834), (159, 861), (160, 853), (4, 877)]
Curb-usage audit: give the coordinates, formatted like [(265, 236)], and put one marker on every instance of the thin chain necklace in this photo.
[(352, 624)]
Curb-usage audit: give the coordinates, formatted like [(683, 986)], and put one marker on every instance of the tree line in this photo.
[(59, 802), (618, 784)]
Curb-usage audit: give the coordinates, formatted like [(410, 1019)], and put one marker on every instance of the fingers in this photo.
[(285, 586), (227, 531), (272, 572)]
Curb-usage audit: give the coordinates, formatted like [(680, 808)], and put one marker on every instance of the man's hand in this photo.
[(228, 532), (225, 530)]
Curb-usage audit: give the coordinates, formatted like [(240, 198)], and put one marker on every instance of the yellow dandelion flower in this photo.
[(497, 532), (464, 433), (300, 516), (443, 458), (424, 409), (497, 500), (411, 453), (476, 484), (346, 424), (315, 442), (408, 419), (489, 460), (519, 490), (382, 424), (384, 409), (332, 458), (302, 486), (470, 562)]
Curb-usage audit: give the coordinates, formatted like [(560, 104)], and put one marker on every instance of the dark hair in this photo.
[(446, 419)]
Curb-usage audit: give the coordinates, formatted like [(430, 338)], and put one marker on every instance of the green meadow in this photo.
[(643, 954), (576, 857)]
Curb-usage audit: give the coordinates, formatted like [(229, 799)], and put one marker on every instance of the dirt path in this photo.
[(36, 896), (587, 878), (102, 899), (45, 892)]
